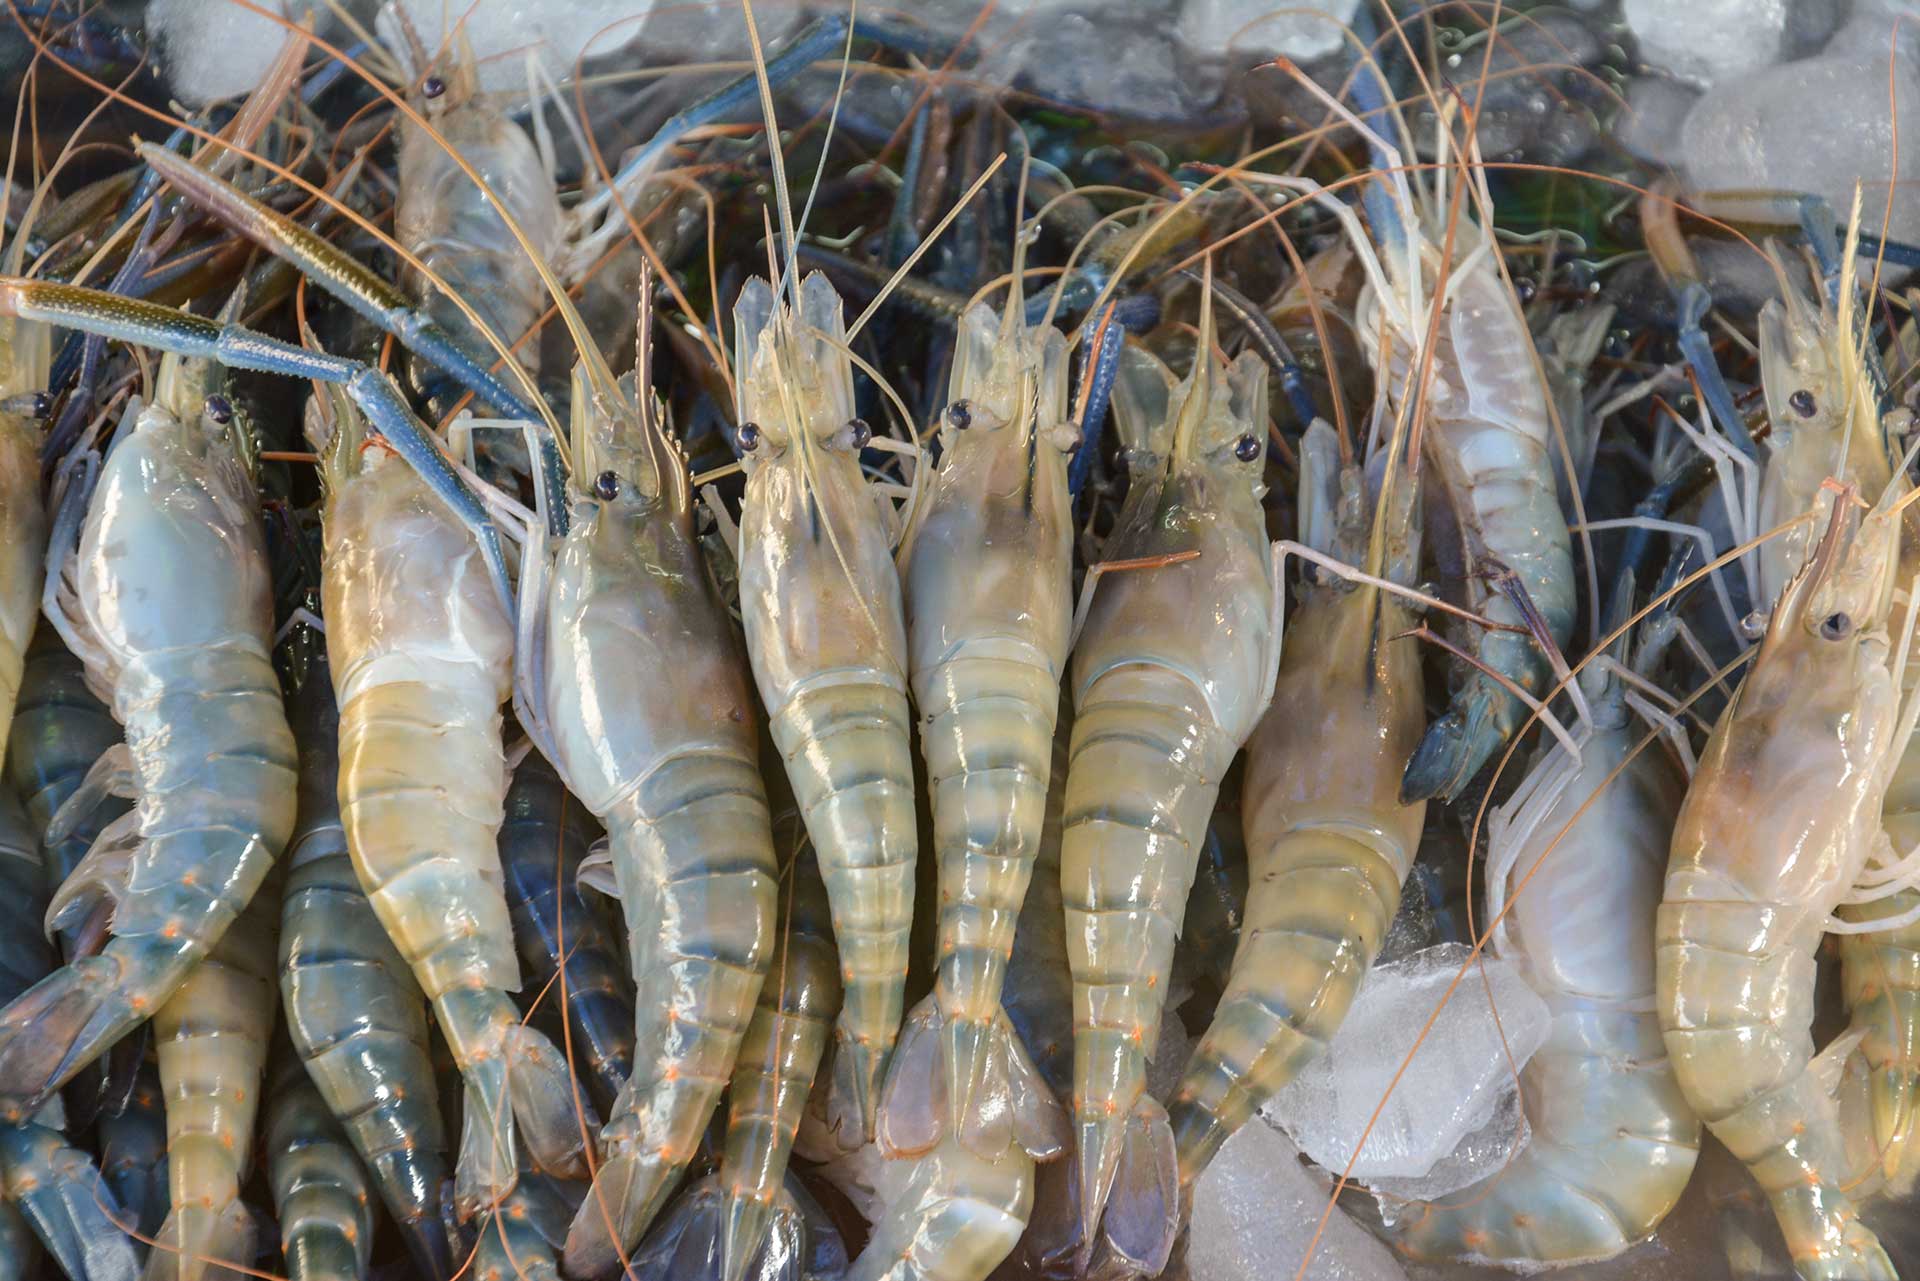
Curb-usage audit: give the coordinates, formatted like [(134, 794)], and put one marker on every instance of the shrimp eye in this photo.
[(607, 486), (860, 432), (433, 86), (1247, 448), (220, 409), (1836, 626), (959, 415), (749, 436), (1802, 402)]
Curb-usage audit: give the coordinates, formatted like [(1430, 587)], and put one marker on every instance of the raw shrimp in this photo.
[(60, 730), (420, 646), (1329, 845), (546, 837), (320, 1194), (744, 1219), (355, 1016), (989, 600), (23, 522), (957, 1217), (56, 1189), (1781, 824), (1171, 672), (1614, 1140), (211, 1036), (671, 767), (821, 604), (133, 1153), (169, 605)]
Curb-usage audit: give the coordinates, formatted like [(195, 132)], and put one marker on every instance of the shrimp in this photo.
[(320, 1192), (24, 357), (989, 601), (354, 1015), (672, 768), (1161, 707), (419, 644), (741, 1221), (955, 1219), (63, 730), (1780, 826), (170, 608), (543, 843), (1614, 1140), (821, 605), (1329, 845), (57, 1190), (211, 1036)]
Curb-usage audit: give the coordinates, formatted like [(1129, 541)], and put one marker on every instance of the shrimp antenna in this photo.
[(1199, 399), (789, 236)]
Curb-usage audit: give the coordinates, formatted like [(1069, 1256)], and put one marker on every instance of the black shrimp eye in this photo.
[(607, 486), (42, 404), (433, 86), (959, 415), (220, 409), (749, 436), (1802, 402), (861, 432), (1836, 626), (1247, 448)]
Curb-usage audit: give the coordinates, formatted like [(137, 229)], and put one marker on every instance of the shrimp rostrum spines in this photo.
[(989, 612), (169, 604), (420, 647), (1778, 826), (651, 718), (1161, 707), (821, 605)]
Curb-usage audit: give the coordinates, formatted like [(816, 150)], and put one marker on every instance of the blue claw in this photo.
[(1694, 302), (1097, 373)]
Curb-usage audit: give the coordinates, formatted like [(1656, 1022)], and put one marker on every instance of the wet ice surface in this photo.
[(1255, 1211), (1452, 1089), (1707, 42), (1263, 29), (1820, 124)]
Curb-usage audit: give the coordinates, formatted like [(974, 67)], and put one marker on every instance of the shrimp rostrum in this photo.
[(821, 605), (169, 604), (1161, 707), (1781, 826), (648, 708)]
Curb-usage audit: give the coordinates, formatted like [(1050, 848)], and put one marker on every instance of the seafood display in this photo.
[(971, 642)]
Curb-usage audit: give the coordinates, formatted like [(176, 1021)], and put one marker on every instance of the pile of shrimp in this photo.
[(824, 670)]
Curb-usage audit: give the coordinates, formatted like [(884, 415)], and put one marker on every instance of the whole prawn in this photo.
[(168, 602), (1161, 707), (355, 1016), (1329, 844), (1777, 830), (1578, 853), (419, 644), (672, 768), (989, 603), (821, 605)]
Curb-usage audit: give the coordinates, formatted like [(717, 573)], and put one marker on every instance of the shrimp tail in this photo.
[(196, 1239), (627, 1193), (713, 1233), (853, 1092), (527, 1092), (60, 1193), (1457, 745), (972, 1080), (1130, 1174), (58, 1026)]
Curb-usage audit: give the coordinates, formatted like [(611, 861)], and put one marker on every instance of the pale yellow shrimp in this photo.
[(1171, 672), (820, 600)]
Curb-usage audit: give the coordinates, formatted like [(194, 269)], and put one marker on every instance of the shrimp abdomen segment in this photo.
[(1317, 909), (987, 731), (1613, 1145), (844, 736), (1736, 983), (213, 820), (693, 859)]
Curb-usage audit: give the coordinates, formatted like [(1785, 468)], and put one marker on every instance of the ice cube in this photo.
[(1708, 42), (1453, 1086), (214, 50), (1261, 30), (1255, 1212), (1781, 130)]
